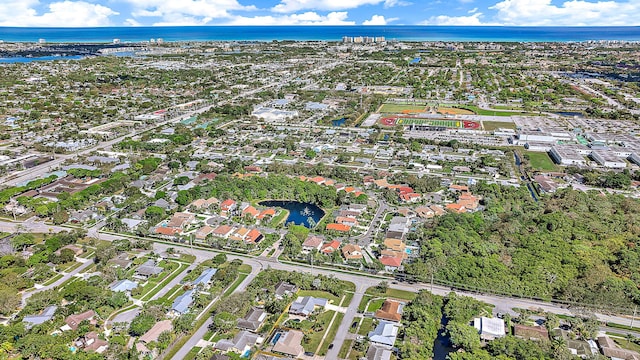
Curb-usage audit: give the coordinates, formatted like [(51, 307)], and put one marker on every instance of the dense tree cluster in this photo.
[(574, 246)]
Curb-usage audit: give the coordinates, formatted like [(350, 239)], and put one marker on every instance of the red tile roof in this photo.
[(254, 236), (338, 227), (392, 261)]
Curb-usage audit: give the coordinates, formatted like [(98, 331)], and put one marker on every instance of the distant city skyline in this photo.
[(94, 13)]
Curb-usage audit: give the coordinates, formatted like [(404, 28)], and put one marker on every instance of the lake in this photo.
[(299, 212)]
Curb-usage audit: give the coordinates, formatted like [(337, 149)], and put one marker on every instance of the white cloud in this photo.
[(472, 11), (394, 3), (471, 20), (307, 18), (186, 12), (289, 6), (568, 13), (378, 20), (63, 13), (132, 22)]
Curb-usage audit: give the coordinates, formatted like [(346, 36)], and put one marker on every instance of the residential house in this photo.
[(290, 343), (352, 252), (92, 343), (610, 349), (304, 306), (424, 212), (124, 286), (241, 343), (469, 201), (148, 269), (181, 220), (227, 207), (253, 320), (530, 332), (167, 231), (489, 328), (37, 319), (250, 211), (456, 208), (153, 334), (458, 188), (284, 289), (204, 280), (391, 310), (377, 352), (392, 263), (266, 213), (132, 224), (385, 333), (313, 242), (338, 227), (396, 245), (203, 232), (182, 303), (121, 261), (399, 224), (344, 220), (240, 234), (73, 321), (223, 231), (330, 247), (254, 236)]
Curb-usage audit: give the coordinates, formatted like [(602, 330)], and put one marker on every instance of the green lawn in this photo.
[(363, 303), (315, 337), (320, 294), (540, 161), (331, 334), (279, 218), (495, 125), (245, 268), (366, 326), (164, 282), (375, 305), (344, 350), (627, 344), (192, 353)]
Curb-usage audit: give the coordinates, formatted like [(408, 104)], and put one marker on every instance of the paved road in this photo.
[(347, 320), (501, 303), (173, 282), (67, 276), (197, 336)]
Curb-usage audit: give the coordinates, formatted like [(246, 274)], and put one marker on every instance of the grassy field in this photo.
[(375, 305), (495, 125), (331, 334), (540, 161), (398, 108), (373, 292), (280, 216), (366, 326), (454, 111), (344, 350), (315, 337)]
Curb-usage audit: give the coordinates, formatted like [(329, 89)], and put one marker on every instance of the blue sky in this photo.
[(78, 13)]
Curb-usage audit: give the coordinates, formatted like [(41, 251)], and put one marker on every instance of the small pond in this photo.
[(299, 212)]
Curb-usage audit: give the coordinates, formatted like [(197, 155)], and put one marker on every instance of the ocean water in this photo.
[(23, 59), (319, 33)]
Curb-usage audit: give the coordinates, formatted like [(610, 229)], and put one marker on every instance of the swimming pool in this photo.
[(276, 337)]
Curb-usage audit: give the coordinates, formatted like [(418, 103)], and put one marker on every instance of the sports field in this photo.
[(454, 111), (495, 125), (452, 124), (401, 108), (540, 161)]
